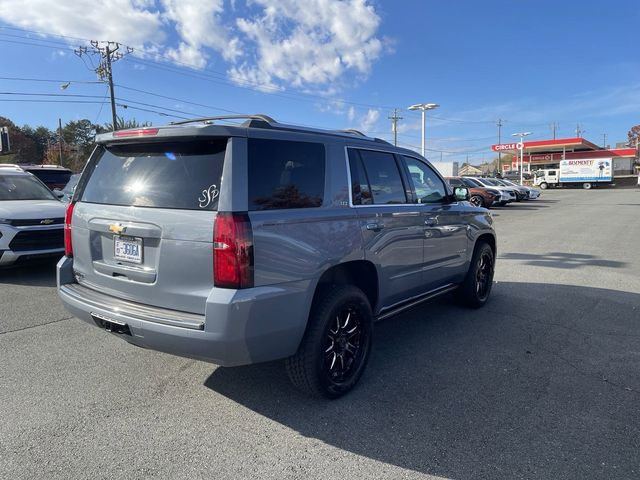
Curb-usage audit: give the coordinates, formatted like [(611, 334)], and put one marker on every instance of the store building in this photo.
[(545, 154)]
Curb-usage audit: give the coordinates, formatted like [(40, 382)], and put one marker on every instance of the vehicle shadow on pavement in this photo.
[(36, 273), (562, 260), (518, 389)]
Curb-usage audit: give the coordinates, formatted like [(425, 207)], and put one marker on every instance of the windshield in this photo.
[(23, 187), (471, 182), (491, 181)]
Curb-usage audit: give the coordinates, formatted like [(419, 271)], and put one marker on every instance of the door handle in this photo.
[(375, 226), (430, 221)]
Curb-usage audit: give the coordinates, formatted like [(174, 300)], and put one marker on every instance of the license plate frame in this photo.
[(123, 240)]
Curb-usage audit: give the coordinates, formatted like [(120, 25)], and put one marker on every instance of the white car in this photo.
[(31, 218), (532, 193), (507, 194)]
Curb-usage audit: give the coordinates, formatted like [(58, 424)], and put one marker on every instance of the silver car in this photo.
[(263, 241), (31, 218)]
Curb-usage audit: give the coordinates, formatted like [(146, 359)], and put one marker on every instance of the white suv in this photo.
[(31, 218)]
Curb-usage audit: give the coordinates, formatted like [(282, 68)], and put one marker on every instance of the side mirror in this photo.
[(58, 193), (461, 194)]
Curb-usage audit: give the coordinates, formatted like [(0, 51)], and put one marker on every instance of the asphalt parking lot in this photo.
[(544, 382)]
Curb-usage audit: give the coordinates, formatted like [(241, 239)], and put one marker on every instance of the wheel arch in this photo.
[(359, 273), (487, 238)]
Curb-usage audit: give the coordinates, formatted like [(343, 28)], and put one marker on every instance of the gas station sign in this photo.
[(506, 146)]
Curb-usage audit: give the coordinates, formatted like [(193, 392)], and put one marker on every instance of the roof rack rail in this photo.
[(352, 131), (257, 116)]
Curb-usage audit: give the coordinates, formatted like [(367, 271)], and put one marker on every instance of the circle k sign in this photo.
[(507, 146)]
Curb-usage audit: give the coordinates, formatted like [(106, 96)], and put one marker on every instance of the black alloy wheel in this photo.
[(335, 348), (344, 349), (484, 274), (474, 291)]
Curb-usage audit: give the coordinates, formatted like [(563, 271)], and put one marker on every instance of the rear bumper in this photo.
[(239, 327)]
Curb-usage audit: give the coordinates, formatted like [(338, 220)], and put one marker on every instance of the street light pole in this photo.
[(521, 148), (423, 107)]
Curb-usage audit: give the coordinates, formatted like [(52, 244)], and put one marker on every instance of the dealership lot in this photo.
[(544, 382)]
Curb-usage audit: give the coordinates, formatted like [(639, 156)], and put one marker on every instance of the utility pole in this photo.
[(499, 125), (60, 139), (108, 52), (604, 140), (579, 131), (394, 125), (554, 126)]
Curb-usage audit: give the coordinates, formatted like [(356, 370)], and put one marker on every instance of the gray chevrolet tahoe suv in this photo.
[(239, 244)]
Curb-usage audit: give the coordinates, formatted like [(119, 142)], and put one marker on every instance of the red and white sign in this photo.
[(506, 146)]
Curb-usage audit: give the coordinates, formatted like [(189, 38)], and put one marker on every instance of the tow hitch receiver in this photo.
[(111, 325)]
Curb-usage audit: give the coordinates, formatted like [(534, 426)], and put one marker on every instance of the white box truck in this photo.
[(585, 171)]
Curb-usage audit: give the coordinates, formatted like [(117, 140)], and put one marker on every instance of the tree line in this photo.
[(41, 145)]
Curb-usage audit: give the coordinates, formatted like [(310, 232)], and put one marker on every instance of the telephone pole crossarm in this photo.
[(108, 52)]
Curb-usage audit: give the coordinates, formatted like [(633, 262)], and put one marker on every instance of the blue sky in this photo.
[(337, 64)]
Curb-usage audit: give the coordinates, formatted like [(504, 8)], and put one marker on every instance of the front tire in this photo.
[(474, 291), (335, 348), (476, 201), (544, 185)]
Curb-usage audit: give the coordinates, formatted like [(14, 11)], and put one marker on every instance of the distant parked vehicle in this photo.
[(532, 193), (31, 218), (514, 175), (480, 196), (584, 172), (521, 192), (53, 176), (507, 194)]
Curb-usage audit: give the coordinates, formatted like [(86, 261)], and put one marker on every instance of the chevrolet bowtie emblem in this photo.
[(117, 228), (46, 221)]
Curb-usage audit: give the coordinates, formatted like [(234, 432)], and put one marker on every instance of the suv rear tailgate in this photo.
[(142, 228)]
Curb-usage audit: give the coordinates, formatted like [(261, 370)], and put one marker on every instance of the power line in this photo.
[(223, 78)]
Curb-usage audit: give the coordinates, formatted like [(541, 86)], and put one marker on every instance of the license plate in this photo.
[(128, 249)]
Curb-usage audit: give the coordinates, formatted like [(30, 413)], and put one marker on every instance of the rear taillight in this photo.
[(232, 251), (68, 247)]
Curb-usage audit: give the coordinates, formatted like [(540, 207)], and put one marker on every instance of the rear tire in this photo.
[(335, 348), (586, 186), (474, 291)]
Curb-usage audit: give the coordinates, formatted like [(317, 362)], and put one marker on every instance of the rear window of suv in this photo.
[(180, 175), (285, 174)]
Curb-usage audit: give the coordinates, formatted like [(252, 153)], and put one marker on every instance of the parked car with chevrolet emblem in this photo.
[(31, 218), (239, 244)]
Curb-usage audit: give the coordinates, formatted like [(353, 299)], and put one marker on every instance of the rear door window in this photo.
[(375, 178), (285, 174), (180, 175)]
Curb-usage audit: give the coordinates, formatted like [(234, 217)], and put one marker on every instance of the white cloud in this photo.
[(351, 114), (312, 46), (132, 23), (199, 25), (368, 120)]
